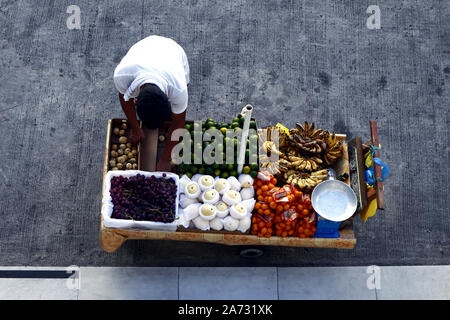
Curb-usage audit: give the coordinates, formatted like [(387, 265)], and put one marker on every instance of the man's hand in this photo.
[(137, 134), (164, 165)]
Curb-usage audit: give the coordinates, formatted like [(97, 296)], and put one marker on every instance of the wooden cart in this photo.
[(111, 239)]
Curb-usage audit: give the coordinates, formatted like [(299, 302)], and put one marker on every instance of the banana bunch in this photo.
[(306, 145), (318, 141), (308, 164), (309, 131), (302, 152), (300, 163), (304, 181), (334, 149), (270, 166), (270, 147)]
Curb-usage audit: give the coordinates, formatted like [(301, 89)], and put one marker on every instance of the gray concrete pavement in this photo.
[(244, 283), (293, 60)]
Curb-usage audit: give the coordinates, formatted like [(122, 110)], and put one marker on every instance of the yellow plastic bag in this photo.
[(283, 128), (368, 160), (369, 211)]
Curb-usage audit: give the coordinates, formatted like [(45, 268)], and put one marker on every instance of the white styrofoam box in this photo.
[(107, 205)]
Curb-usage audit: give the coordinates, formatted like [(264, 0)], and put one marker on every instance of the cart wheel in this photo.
[(251, 253)]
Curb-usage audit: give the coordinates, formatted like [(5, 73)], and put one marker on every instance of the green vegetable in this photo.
[(224, 175), (209, 171)]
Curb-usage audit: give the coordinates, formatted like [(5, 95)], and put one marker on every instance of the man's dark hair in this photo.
[(152, 106)]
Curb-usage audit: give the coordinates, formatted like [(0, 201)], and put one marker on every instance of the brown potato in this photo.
[(123, 139)]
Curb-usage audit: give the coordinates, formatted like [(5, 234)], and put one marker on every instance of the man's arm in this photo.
[(178, 122), (130, 111)]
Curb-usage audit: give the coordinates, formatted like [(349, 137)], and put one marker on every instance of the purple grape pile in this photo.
[(143, 198)]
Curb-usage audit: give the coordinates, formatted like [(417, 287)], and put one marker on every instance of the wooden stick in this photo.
[(377, 168)]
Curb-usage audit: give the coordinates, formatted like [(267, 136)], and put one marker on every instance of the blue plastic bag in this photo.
[(370, 174)]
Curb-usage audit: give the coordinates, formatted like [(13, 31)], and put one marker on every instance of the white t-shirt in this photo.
[(156, 60)]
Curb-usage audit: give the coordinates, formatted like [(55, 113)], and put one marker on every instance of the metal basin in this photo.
[(334, 200)]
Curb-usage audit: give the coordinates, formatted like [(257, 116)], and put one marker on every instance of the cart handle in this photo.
[(377, 168)]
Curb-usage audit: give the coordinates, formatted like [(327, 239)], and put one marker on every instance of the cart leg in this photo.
[(111, 241), (251, 253)]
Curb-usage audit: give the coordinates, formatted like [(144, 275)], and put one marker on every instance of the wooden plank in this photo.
[(115, 237), (357, 176), (377, 168), (371, 194)]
